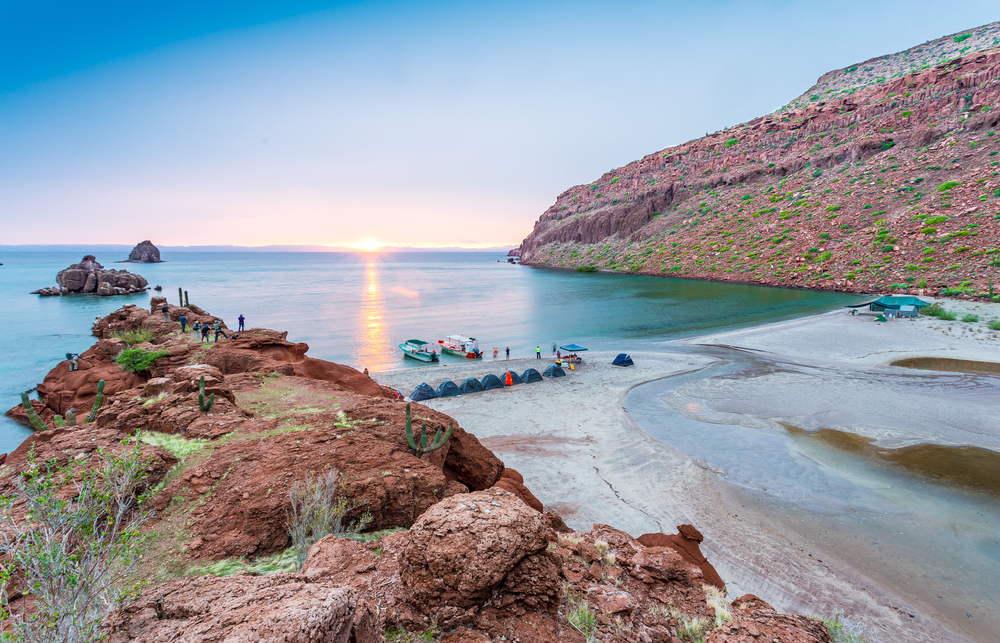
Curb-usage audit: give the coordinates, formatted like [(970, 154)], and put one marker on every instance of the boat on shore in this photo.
[(461, 346), (419, 350)]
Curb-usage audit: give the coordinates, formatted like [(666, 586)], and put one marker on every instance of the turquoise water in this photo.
[(356, 308)]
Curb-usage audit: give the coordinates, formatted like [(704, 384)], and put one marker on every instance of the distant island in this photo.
[(144, 252)]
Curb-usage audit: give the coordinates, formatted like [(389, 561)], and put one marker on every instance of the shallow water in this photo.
[(356, 308), (922, 520)]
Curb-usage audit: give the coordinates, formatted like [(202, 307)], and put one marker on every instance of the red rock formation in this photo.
[(685, 543), (894, 184), (88, 276)]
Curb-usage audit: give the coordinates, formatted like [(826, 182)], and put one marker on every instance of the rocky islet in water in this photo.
[(89, 276), (144, 252)]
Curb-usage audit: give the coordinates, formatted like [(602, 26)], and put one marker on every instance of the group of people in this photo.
[(203, 329), (538, 352), (495, 353)]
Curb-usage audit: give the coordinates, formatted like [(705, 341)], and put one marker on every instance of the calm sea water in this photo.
[(356, 308)]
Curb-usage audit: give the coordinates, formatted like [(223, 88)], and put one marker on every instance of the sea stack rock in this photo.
[(88, 276), (145, 252)]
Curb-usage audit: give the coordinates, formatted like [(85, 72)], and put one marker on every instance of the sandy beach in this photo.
[(583, 457)]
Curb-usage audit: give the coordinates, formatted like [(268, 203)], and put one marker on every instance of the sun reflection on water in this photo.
[(373, 345)]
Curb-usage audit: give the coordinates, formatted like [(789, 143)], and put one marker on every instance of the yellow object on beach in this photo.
[(571, 367)]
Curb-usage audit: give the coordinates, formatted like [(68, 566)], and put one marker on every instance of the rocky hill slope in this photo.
[(861, 184), (458, 550)]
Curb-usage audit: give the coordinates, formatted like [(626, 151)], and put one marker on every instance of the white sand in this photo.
[(582, 456)]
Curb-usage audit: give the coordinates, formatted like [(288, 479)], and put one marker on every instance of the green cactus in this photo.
[(436, 443), (187, 302), (202, 404), (71, 417), (98, 403), (57, 420), (180, 296), (36, 422)]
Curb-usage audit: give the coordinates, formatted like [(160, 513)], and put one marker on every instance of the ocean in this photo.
[(355, 308)]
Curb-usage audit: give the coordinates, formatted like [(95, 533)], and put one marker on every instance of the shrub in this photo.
[(947, 185), (824, 236), (970, 318), (832, 208), (318, 511), (586, 269), (75, 557), (994, 325), (133, 337), (136, 360), (580, 616), (843, 630), (963, 37), (928, 230), (936, 220)]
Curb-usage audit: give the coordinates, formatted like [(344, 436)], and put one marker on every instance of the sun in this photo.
[(369, 245)]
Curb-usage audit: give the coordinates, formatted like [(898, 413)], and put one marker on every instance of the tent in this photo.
[(554, 370), (572, 348), (908, 311), (491, 382), (531, 375), (423, 392), (623, 359), (892, 302), (470, 385), (447, 388), (510, 378)]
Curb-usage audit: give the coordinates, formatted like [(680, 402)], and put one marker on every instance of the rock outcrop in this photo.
[(144, 252), (88, 276), (884, 183)]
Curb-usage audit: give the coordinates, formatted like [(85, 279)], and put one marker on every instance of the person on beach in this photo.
[(241, 320), (538, 352), (218, 330), (183, 320), (495, 353), (558, 354), (508, 353), (166, 311), (204, 332), (73, 364)]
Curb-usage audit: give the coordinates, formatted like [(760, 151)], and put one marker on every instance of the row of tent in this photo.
[(472, 385)]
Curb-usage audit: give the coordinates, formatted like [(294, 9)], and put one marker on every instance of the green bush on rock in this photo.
[(136, 360)]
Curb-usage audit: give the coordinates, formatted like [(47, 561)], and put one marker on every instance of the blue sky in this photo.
[(411, 123)]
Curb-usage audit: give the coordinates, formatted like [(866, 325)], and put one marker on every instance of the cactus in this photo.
[(98, 403), (202, 404), (36, 422), (71, 417), (57, 420), (180, 296), (187, 302), (436, 443)]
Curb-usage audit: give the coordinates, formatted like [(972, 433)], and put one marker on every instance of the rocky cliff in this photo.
[(144, 252), (882, 176), (88, 276), (458, 549)]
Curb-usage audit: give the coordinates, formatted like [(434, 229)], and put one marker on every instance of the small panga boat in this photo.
[(419, 350), (461, 346)]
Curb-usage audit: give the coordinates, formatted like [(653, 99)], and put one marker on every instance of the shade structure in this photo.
[(531, 375), (572, 348), (623, 359), (491, 382), (510, 378), (470, 385), (423, 392), (554, 370), (448, 388), (892, 302)]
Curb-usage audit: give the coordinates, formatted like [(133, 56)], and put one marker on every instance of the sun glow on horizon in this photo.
[(368, 245)]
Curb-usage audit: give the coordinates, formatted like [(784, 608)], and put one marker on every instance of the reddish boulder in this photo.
[(685, 543)]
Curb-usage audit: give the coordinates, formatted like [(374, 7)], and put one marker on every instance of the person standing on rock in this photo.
[(241, 320), (218, 330), (73, 364), (166, 312), (183, 320), (204, 331), (196, 327)]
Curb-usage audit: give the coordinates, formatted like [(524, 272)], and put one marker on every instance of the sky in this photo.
[(402, 123)]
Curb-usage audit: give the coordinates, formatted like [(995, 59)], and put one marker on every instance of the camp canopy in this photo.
[(491, 382), (623, 360), (510, 378), (531, 375), (572, 348), (423, 392), (892, 302), (447, 388), (554, 370), (470, 385)]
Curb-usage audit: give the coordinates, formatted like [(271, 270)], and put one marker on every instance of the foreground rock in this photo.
[(144, 252), (88, 276)]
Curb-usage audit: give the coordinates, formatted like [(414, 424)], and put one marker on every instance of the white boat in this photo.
[(418, 349), (461, 346)]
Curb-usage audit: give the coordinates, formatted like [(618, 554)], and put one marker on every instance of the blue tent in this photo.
[(530, 375), (554, 370), (470, 385), (892, 302), (514, 378), (623, 359), (423, 392), (448, 388), (572, 348), (491, 381)]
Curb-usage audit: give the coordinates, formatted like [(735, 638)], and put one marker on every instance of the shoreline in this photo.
[(584, 457)]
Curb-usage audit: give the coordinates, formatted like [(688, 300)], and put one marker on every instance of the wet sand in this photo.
[(583, 457)]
